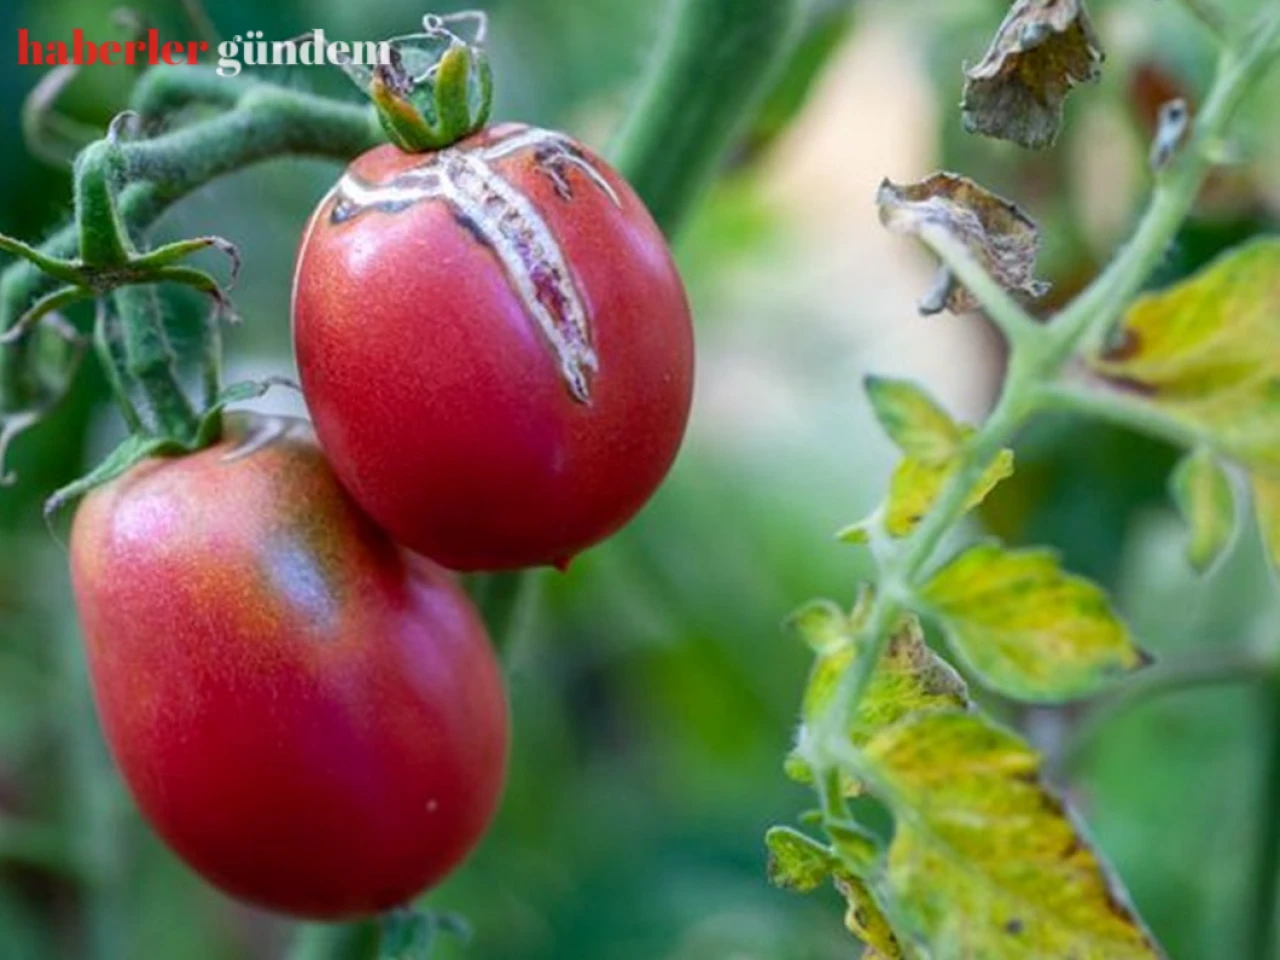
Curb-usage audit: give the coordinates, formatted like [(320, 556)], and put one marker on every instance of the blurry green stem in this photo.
[(712, 68), (501, 599), (1245, 666), (320, 941)]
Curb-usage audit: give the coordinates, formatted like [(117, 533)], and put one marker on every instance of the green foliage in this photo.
[(1027, 628), (1202, 490), (934, 447)]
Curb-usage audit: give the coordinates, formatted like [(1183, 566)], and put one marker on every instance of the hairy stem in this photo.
[(267, 121), (150, 362), (712, 68)]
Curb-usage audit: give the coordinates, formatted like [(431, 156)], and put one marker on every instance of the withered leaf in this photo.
[(1042, 50), (997, 234)]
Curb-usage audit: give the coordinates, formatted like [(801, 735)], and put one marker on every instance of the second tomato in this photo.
[(495, 346)]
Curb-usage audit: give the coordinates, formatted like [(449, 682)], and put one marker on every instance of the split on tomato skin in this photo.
[(495, 345), (313, 718)]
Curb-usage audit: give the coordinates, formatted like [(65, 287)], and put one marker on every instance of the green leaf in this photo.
[(1206, 355), (822, 625), (985, 860), (796, 862), (1030, 630), (916, 486), (866, 921), (1204, 496), (801, 864), (911, 418)]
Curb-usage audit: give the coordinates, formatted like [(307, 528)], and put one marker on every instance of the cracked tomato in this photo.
[(495, 347)]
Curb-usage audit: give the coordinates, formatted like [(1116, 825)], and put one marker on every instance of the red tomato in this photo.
[(311, 717), (495, 346)]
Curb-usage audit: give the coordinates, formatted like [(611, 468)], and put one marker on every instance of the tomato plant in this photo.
[(313, 718), (495, 346)]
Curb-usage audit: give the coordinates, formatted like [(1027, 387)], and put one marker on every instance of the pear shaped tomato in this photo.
[(495, 346), (311, 717)]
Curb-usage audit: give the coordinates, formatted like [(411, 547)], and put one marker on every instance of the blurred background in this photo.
[(654, 694)]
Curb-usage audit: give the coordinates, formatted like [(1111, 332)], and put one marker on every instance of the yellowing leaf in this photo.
[(1042, 50), (998, 235), (913, 421), (909, 677), (916, 485), (1206, 354), (1030, 630), (797, 862), (1204, 496), (822, 625), (801, 864), (985, 861), (865, 921)]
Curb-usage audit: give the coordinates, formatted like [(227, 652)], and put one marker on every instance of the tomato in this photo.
[(495, 346), (311, 717)]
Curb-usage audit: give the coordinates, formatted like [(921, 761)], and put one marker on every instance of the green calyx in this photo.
[(435, 88)]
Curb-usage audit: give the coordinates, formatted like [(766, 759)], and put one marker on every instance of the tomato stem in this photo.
[(150, 361), (713, 68), (428, 101), (262, 121)]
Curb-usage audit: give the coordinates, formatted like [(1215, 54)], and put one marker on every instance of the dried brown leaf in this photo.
[(997, 234), (1042, 50)]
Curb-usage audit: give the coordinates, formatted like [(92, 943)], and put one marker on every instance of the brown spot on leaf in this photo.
[(1042, 50)]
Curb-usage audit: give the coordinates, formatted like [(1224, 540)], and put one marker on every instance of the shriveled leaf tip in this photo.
[(996, 233), (1042, 50)]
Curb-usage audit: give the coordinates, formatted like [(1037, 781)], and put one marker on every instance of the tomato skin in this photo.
[(439, 399), (311, 717)]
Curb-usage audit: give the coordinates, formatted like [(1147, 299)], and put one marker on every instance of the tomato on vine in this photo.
[(495, 346), (313, 718)]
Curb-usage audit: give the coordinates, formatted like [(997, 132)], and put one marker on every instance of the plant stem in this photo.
[(317, 941), (150, 362), (712, 68), (1089, 319), (1014, 322), (267, 121), (1115, 406), (1218, 669)]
